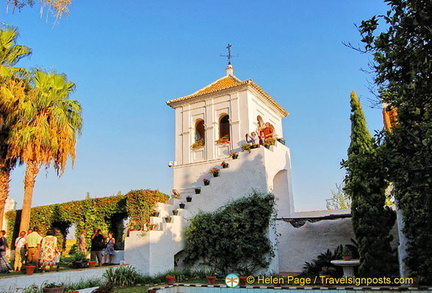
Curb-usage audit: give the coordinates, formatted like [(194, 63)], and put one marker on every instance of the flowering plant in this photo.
[(224, 164), (206, 180), (133, 224), (200, 143), (234, 155), (223, 140), (214, 170), (270, 141), (246, 147)]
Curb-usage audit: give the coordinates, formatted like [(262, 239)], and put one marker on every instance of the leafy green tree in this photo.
[(45, 130), (339, 199), (402, 51), (11, 86), (365, 184)]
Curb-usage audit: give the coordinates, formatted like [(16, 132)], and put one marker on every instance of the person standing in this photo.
[(268, 130), (33, 244), (82, 242), (20, 251), (4, 265), (97, 245), (109, 250), (49, 250), (261, 137), (253, 139)]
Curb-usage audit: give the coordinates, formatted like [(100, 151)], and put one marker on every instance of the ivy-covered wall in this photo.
[(106, 213), (234, 238)]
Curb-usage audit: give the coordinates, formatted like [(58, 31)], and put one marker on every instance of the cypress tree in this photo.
[(365, 183)]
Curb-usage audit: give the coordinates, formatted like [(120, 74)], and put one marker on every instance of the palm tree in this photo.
[(12, 87), (46, 131)]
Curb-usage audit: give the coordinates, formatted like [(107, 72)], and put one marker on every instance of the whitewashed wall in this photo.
[(153, 251), (303, 244)]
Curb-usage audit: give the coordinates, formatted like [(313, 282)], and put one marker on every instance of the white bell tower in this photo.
[(212, 122)]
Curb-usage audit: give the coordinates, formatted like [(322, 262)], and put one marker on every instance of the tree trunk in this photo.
[(32, 171), (4, 191)]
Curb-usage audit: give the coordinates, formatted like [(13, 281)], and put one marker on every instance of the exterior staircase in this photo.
[(153, 251)]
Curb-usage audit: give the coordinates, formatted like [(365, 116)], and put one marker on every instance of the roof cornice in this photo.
[(201, 96)]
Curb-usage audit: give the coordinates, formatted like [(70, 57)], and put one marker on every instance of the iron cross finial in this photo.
[(229, 56)]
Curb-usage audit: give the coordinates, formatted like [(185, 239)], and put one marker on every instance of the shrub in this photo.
[(122, 276), (234, 238)]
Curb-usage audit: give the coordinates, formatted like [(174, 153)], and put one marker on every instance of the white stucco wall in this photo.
[(243, 105), (152, 252), (258, 107), (251, 171), (303, 244), (10, 204)]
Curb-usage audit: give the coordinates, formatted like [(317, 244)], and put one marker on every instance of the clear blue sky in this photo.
[(128, 58)]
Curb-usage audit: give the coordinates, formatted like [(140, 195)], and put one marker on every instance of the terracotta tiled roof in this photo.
[(226, 82), (222, 83)]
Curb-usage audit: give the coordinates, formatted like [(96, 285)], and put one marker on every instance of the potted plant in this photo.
[(223, 140), (175, 212), (189, 198), (79, 260), (234, 155), (242, 280), (199, 144), (269, 141), (224, 165), (155, 214), (214, 172), (182, 205), (168, 219), (197, 190), (92, 264), (151, 227), (133, 225), (53, 288), (246, 147), (346, 253), (30, 269), (170, 280), (211, 280), (206, 181)]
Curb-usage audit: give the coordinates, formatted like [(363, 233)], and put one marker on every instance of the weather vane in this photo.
[(229, 56)]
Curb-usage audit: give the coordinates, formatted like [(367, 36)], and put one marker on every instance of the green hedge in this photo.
[(106, 213)]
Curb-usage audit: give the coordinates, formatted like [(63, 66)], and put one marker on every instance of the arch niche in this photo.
[(224, 126), (281, 191), (199, 130)]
